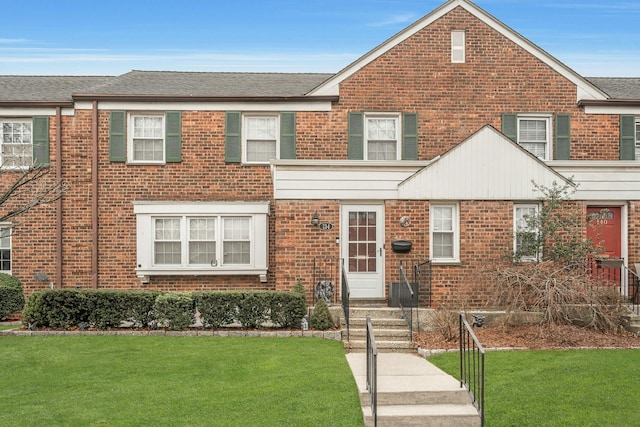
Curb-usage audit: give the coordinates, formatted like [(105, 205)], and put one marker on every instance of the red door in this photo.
[(604, 231)]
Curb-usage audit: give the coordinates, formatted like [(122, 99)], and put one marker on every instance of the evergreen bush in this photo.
[(11, 295), (321, 317), (175, 310)]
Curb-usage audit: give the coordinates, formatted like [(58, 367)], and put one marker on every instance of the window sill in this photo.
[(446, 262), (146, 163), (250, 271)]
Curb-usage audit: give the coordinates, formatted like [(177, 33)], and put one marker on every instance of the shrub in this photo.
[(175, 310), (252, 309), (321, 317), (140, 307), (11, 295), (60, 308), (288, 309), (216, 308), (106, 308)]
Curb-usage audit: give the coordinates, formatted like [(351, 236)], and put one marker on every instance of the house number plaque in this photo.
[(325, 226)]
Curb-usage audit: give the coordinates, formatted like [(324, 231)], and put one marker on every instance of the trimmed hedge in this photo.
[(67, 308), (11, 295)]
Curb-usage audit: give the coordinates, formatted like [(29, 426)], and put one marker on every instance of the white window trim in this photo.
[(391, 115), (535, 206), (15, 120), (130, 159), (458, 50), (7, 226), (456, 233), (537, 116), (146, 212), (245, 133)]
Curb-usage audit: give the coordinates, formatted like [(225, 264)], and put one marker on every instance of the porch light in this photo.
[(315, 220)]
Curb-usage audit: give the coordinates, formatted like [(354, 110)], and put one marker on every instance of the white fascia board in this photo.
[(194, 208), (209, 106), (29, 112), (585, 90), (613, 109)]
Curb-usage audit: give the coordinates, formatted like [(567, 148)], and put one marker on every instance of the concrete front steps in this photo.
[(413, 392), (390, 329), (631, 323)]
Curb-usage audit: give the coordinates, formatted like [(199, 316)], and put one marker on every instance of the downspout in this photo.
[(94, 201), (59, 201)]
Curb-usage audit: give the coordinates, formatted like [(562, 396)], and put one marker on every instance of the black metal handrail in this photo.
[(407, 300), (472, 365), (372, 371), (344, 297), (633, 283)]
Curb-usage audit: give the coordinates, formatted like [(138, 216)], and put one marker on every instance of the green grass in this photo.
[(175, 381), (558, 388), (7, 327)]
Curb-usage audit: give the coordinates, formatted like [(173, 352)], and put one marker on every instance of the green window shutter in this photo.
[(409, 136), (117, 136), (627, 137), (355, 149), (173, 135), (41, 141), (510, 126), (563, 137), (288, 135), (232, 141)]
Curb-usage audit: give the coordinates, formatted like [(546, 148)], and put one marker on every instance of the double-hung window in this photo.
[(202, 238), (261, 138), (17, 143), (445, 233), (146, 138), (534, 135), (382, 137), (5, 249), (457, 46), (525, 241)]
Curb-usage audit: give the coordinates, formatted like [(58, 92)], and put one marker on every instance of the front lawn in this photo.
[(558, 388), (177, 381)]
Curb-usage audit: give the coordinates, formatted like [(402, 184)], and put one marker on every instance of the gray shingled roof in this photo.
[(46, 88), (170, 83), (618, 87)]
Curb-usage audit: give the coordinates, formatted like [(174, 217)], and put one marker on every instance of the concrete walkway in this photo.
[(412, 391)]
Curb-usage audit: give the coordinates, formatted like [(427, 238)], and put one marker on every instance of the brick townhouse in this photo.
[(195, 181)]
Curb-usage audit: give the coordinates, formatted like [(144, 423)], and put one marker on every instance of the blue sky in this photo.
[(88, 37)]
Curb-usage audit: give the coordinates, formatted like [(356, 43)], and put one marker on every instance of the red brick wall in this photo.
[(452, 102)]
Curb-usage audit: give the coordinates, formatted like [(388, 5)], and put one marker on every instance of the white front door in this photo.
[(362, 249)]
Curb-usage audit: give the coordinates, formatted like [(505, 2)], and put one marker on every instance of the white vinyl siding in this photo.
[(146, 138), (534, 135), (444, 233), (458, 51), (17, 143), (261, 138), (382, 137)]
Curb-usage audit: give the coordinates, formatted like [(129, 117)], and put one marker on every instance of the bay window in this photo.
[(202, 238)]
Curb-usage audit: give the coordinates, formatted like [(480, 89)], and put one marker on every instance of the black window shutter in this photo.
[(409, 136), (355, 149), (510, 126), (117, 136), (173, 135), (232, 141), (41, 141), (627, 137), (563, 137), (288, 135)]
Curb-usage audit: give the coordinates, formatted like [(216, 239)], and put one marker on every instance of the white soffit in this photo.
[(584, 89), (486, 166)]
